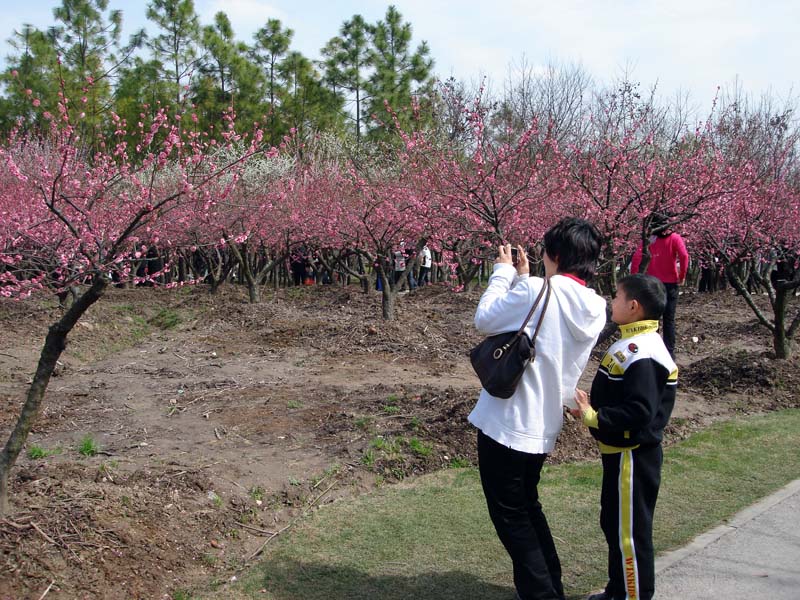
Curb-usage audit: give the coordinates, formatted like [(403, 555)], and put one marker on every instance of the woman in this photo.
[(516, 434), (669, 262)]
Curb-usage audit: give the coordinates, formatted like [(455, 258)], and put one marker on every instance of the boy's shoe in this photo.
[(600, 596)]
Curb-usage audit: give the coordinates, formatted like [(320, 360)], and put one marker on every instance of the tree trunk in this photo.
[(54, 345), (389, 291), (780, 341), (182, 271), (646, 256), (388, 302), (345, 269), (781, 338), (612, 276), (245, 270)]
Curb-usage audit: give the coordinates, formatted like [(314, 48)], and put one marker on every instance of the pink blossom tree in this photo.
[(70, 218), (488, 189), (759, 225)]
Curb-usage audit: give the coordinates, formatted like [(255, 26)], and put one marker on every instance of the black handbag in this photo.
[(500, 359)]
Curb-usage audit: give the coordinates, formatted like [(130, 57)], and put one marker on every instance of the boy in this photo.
[(632, 398)]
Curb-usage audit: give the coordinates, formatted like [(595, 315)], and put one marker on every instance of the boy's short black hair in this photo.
[(575, 243), (648, 291)]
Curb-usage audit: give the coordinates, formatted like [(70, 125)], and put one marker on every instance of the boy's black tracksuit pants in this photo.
[(631, 479)]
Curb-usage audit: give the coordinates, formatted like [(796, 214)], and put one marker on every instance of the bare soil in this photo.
[(217, 423)]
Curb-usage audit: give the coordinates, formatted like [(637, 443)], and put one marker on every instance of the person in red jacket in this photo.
[(669, 262)]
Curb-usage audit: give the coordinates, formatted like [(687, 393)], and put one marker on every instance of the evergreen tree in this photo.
[(34, 67), (88, 42), (176, 47), (227, 78), (141, 92), (271, 47), (399, 75), (347, 64), (307, 105)]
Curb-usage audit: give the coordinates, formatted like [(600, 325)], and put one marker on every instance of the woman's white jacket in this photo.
[(530, 420)]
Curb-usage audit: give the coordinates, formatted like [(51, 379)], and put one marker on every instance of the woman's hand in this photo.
[(523, 268), (504, 257)]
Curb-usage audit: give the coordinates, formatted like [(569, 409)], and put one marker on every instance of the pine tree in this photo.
[(227, 78), (176, 47), (34, 67), (307, 105), (347, 63), (89, 43), (271, 46), (400, 75)]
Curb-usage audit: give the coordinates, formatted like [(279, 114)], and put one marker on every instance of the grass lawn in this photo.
[(431, 538)]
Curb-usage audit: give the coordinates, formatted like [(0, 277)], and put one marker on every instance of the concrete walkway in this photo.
[(755, 556)]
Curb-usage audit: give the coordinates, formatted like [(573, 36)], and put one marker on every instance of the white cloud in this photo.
[(246, 16)]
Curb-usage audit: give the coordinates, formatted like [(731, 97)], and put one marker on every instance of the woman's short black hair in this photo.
[(659, 224), (575, 243), (648, 291)]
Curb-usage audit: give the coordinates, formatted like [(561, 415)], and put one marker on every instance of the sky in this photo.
[(681, 45)]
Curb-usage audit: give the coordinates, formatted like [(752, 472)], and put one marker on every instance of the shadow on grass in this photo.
[(312, 581), (292, 580)]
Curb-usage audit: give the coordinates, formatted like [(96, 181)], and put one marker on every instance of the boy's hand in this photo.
[(582, 400)]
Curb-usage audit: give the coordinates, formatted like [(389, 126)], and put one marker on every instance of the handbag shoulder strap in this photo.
[(545, 288), (541, 315)]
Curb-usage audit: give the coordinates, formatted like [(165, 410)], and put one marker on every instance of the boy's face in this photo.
[(625, 310)]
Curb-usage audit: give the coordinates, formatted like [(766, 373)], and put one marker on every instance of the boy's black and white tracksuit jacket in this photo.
[(633, 395)]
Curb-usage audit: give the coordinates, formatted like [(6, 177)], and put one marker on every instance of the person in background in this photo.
[(516, 434), (425, 264), (400, 258), (669, 262), (399, 262)]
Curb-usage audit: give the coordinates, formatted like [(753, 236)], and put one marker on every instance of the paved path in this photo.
[(755, 556)]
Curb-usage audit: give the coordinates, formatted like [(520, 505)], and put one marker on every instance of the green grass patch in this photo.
[(363, 423), (432, 538), (419, 447), (392, 399), (36, 452), (459, 462), (166, 318), (88, 447)]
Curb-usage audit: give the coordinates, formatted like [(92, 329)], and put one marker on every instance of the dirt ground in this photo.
[(211, 424)]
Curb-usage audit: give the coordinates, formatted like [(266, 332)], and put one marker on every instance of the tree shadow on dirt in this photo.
[(293, 580)]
